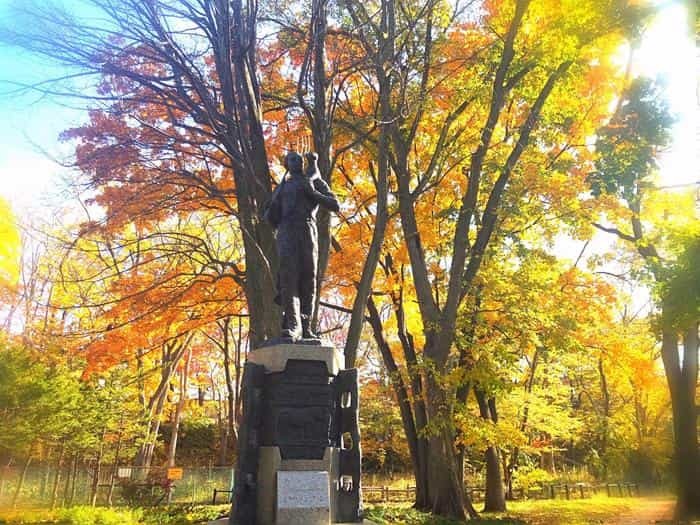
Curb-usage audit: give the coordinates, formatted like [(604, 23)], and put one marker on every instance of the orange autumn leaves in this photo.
[(151, 177)]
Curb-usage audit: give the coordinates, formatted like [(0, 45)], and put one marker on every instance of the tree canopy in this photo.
[(466, 141)]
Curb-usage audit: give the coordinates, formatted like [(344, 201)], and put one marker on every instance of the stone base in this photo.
[(274, 358), (298, 403), (308, 516), (291, 341), (271, 462), (303, 497)]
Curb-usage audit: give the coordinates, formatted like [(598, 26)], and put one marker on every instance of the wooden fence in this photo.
[(553, 491)]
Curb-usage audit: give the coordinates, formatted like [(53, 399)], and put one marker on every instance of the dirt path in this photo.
[(648, 513)]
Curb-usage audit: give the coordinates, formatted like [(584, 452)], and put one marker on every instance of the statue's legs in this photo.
[(289, 272), (307, 277)]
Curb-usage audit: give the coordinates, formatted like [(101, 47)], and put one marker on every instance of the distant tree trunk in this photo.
[(3, 472), (74, 482), (45, 478), (682, 381), (605, 433), (172, 354), (495, 498), (69, 478), (223, 448), (57, 477), (184, 374), (230, 432), (515, 456), (148, 450), (229, 428), (97, 471), (238, 368), (117, 457), (22, 478), (221, 423)]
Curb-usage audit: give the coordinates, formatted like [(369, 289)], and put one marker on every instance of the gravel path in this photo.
[(648, 513)]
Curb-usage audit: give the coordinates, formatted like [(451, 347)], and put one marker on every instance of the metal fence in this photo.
[(43, 485), (142, 486)]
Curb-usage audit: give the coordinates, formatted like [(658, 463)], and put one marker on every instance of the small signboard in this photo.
[(174, 473)]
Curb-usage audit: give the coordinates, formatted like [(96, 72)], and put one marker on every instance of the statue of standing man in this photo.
[(292, 210)]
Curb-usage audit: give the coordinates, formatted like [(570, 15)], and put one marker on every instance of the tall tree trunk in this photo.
[(445, 493), (241, 100), (495, 498), (22, 478), (405, 408), (682, 382), (320, 121), (420, 414), (465, 363)]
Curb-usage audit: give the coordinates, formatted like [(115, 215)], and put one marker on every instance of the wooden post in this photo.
[(581, 490), (607, 487)]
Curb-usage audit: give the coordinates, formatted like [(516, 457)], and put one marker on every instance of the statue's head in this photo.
[(294, 163)]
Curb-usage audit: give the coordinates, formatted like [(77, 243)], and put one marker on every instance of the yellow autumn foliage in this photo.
[(9, 246)]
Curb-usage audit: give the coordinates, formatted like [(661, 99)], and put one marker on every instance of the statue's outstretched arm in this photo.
[(323, 195)]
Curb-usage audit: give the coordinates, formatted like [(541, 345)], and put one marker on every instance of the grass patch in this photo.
[(594, 511), (171, 515), (385, 515)]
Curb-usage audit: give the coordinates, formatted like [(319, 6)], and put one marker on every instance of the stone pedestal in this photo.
[(299, 453)]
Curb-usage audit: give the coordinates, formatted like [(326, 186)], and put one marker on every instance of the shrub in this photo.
[(527, 477)]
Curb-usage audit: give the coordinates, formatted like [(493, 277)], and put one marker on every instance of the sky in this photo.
[(31, 181)]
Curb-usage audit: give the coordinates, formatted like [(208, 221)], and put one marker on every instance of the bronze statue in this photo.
[(292, 211)]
